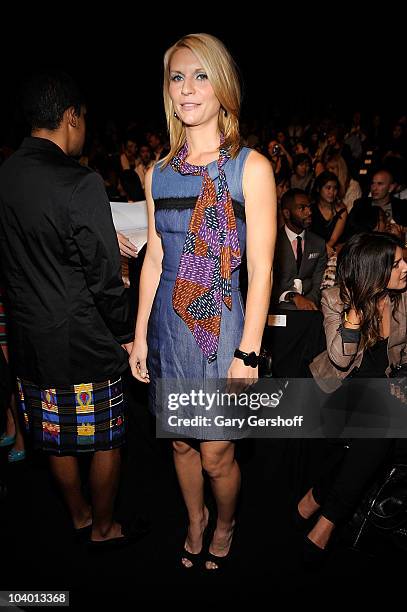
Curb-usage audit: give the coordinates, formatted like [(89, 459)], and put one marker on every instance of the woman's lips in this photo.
[(189, 106)]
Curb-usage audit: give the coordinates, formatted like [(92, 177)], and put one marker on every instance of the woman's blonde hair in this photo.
[(222, 74), (342, 173)]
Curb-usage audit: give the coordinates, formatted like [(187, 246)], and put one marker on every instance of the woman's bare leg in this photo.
[(104, 481), (188, 466), (218, 460), (67, 475)]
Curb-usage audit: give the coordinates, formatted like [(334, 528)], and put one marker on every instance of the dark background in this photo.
[(303, 61)]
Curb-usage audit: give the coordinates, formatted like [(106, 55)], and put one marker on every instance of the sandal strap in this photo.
[(193, 557), (211, 558)]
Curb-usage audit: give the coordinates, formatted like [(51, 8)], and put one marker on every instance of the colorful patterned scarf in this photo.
[(211, 252)]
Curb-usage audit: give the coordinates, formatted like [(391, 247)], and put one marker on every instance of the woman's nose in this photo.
[(187, 86)]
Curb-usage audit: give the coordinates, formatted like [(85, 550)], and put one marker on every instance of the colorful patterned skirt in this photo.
[(79, 419), (3, 326)]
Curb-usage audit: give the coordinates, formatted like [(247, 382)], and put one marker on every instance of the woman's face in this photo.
[(190, 90), (398, 276), (333, 167), (130, 148), (302, 169), (329, 192)]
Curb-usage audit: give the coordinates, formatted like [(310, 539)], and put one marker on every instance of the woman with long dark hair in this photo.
[(365, 327), (328, 213)]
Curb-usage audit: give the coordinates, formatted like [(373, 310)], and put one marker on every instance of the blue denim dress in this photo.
[(172, 351)]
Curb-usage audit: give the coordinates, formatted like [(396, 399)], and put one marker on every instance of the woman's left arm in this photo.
[(261, 223), (338, 229)]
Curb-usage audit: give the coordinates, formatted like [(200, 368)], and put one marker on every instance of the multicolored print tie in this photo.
[(211, 252)]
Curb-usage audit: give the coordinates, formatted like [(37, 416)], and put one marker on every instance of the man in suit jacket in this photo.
[(299, 263), (382, 189), (300, 258), (69, 313)]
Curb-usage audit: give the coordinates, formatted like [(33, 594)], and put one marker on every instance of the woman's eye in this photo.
[(201, 76), (176, 77)]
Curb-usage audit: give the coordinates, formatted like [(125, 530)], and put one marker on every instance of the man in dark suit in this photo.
[(300, 259), (382, 188), (70, 328)]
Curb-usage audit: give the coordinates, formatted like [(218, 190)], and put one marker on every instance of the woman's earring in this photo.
[(175, 115), (225, 112)]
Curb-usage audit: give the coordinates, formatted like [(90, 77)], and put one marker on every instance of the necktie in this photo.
[(299, 252)]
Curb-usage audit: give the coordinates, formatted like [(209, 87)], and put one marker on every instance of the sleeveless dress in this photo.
[(172, 350)]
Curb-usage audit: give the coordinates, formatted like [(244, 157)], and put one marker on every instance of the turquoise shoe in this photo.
[(7, 440), (16, 455)]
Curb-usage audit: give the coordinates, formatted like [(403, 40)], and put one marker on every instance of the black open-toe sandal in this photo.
[(194, 558), (220, 562)]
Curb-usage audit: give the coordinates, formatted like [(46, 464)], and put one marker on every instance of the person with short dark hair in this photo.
[(299, 263), (302, 176), (70, 325)]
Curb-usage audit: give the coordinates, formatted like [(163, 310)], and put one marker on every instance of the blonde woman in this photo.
[(208, 200), (349, 189)]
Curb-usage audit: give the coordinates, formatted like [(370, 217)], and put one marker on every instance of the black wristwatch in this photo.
[(249, 359), (289, 297)]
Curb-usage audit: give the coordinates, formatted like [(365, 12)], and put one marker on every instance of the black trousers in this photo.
[(294, 346), (350, 468)]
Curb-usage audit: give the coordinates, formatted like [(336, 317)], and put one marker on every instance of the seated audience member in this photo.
[(364, 340), (328, 213), (128, 158), (381, 189), (349, 189), (145, 162), (279, 159), (299, 263), (302, 177), (131, 185)]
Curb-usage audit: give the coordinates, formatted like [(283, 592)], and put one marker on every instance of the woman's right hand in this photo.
[(138, 361)]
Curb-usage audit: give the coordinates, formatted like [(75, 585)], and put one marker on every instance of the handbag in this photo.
[(383, 511), (265, 362)]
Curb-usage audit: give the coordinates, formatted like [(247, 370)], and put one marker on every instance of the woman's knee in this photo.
[(217, 461), (181, 448)]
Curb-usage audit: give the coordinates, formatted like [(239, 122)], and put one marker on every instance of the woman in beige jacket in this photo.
[(365, 327)]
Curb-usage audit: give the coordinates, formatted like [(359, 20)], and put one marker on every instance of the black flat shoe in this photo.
[(111, 544), (82, 534), (312, 555), (132, 534)]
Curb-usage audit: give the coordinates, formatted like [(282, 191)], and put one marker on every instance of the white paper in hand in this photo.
[(130, 219)]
